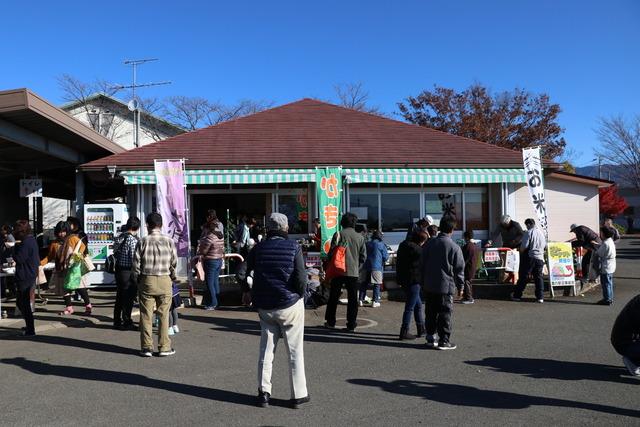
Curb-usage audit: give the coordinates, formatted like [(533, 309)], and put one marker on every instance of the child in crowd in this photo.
[(607, 256), (377, 255), (433, 231), (176, 301), (470, 254)]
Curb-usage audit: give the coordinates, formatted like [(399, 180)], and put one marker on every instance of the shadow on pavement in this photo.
[(125, 378), (311, 333), (82, 344), (567, 301), (459, 395), (555, 369)]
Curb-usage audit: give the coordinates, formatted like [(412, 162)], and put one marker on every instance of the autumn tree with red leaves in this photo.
[(611, 203), (516, 119)]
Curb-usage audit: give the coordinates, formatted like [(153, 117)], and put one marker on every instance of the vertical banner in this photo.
[(560, 264), (535, 183), (171, 202), (329, 190)]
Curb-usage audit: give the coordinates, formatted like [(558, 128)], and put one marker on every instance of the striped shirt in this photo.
[(155, 256)]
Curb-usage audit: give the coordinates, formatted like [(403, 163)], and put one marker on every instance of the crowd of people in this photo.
[(430, 267)]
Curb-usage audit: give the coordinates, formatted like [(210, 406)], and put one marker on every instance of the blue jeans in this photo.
[(363, 291), (606, 281), (413, 305), (212, 274)]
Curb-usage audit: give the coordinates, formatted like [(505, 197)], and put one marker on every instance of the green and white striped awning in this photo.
[(434, 176), (237, 176), (355, 176)]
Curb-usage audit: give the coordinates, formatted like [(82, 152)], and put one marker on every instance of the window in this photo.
[(476, 209), (399, 211), (365, 206), (440, 204), (296, 208)]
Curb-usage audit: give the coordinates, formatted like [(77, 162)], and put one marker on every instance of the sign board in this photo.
[(312, 259), (491, 255), (329, 188), (30, 188), (512, 261), (561, 271)]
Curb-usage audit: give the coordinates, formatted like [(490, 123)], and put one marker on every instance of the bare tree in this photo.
[(154, 126), (96, 109), (355, 97), (567, 160), (620, 146), (194, 112)]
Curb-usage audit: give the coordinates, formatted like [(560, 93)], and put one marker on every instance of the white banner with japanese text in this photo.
[(535, 183)]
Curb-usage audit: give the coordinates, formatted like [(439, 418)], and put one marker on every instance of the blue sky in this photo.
[(584, 54)]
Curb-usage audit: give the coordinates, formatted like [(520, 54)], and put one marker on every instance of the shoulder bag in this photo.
[(337, 265)]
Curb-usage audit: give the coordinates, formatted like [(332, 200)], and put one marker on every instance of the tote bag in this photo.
[(75, 265)]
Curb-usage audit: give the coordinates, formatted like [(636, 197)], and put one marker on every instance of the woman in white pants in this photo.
[(279, 280)]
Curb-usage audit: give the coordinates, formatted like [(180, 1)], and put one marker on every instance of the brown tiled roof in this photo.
[(307, 133)]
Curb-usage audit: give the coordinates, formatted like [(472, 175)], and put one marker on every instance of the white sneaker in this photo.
[(360, 303), (631, 367), (540, 301), (176, 329), (375, 304), (171, 331)]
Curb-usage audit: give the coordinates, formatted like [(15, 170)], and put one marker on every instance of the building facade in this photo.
[(112, 118), (393, 173)]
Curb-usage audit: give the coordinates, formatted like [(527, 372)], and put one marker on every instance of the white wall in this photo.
[(567, 203), (121, 131), (54, 210)]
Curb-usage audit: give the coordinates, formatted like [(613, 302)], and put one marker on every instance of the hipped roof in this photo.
[(309, 133)]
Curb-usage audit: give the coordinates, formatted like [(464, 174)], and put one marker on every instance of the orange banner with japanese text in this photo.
[(329, 190)]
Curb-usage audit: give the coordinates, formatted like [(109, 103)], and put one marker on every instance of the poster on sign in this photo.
[(535, 182), (561, 270), (329, 185), (512, 261)]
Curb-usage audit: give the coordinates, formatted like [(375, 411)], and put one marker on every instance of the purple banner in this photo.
[(171, 202)]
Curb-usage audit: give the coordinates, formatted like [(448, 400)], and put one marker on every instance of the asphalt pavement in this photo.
[(517, 363)]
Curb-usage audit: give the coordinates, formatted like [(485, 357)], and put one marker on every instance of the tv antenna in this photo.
[(134, 103)]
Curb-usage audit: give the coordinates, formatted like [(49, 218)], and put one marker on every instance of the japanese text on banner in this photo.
[(329, 190), (171, 202), (535, 183)]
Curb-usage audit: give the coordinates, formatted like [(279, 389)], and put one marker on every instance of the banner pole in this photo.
[(188, 224)]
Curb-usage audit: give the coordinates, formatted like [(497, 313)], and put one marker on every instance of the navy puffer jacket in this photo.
[(279, 277)]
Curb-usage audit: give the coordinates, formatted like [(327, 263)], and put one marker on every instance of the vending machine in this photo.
[(102, 223)]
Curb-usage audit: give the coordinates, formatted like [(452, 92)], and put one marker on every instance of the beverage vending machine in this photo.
[(102, 223)]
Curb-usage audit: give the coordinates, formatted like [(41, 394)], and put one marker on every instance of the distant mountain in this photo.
[(610, 172)]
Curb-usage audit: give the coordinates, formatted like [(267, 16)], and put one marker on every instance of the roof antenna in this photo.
[(134, 104)]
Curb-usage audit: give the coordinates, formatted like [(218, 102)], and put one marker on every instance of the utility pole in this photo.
[(599, 159), (134, 104)]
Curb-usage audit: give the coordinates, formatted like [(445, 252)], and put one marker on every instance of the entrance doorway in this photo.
[(255, 205)]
